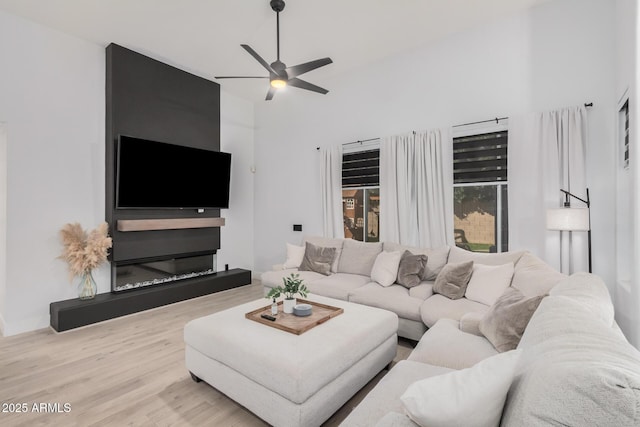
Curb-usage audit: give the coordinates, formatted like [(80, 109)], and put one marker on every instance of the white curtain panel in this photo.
[(547, 152), (331, 190), (416, 197)]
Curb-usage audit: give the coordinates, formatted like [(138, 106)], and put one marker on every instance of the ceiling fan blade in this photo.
[(272, 91), (240, 77), (306, 85), (258, 58), (299, 69)]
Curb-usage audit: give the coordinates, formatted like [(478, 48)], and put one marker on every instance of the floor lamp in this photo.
[(572, 219)]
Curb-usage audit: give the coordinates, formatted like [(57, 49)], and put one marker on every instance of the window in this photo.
[(361, 194), (623, 119), (480, 191)]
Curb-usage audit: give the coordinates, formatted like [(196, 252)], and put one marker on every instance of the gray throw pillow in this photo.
[(317, 258), (453, 279), (506, 320), (411, 269)]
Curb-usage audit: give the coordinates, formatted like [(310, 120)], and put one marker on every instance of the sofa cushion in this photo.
[(394, 298), (385, 396), (578, 370), (588, 290), (358, 257), (385, 268), (460, 255), (488, 282), (411, 269), (453, 279), (295, 254), (533, 276), (470, 323), (560, 314), (439, 307), (423, 291), (317, 258), (583, 374), (444, 344), (575, 388), (506, 320), (473, 397), (337, 285), (395, 419), (327, 242), (270, 279), (436, 257)]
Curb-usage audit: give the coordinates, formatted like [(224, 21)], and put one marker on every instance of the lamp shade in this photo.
[(569, 219)]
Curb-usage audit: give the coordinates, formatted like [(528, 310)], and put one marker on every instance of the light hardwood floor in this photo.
[(126, 372)]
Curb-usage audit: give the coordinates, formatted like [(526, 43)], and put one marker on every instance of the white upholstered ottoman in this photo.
[(288, 379)]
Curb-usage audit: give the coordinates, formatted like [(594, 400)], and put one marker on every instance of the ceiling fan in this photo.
[(279, 74)]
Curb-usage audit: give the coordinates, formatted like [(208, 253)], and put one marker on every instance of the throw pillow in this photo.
[(469, 397), (294, 256), (506, 320), (411, 269), (358, 257), (385, 268), (488, 282), (317, 258), (453, 279), (327, 242)]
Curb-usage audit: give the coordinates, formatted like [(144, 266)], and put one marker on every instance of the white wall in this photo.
[(236, 137), (635, 158), (3, 220), (558, 54), (52, 101), (53, 104), (626, 288)]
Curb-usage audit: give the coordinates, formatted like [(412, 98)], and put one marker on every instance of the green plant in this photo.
[(292, 285)]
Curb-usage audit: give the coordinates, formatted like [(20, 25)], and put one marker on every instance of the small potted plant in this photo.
[(292, 285)]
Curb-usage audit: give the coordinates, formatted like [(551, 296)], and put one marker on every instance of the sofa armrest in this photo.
[(277, 267), (470, 323)]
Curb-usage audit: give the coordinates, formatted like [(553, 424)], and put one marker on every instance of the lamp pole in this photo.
[(588, 203)]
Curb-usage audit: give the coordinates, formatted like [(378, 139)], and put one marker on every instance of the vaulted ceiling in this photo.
[(204, 36)]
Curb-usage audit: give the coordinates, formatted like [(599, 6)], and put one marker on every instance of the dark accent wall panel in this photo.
[(148, 99)]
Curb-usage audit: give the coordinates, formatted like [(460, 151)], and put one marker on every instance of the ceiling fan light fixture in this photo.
[(280, 75), (278, 83)]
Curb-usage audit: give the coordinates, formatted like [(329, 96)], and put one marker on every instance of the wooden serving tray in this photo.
[(320, 313)]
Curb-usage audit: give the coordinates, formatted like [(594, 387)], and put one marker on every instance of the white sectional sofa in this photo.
[(572, 365), (575, 367), (418, 308)]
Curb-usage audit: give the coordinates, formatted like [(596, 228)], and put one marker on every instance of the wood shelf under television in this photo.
[(168, 224)]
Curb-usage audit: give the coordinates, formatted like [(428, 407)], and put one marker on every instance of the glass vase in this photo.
[(87, 287)]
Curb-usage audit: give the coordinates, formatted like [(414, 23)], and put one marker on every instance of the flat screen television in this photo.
[(157, 175)]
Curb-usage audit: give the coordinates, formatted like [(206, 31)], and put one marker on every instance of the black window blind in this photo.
[(361, 169), (480, 158), (626, 134)]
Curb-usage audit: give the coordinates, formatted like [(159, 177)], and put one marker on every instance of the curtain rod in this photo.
[(357, 142), (497, 119), (360, 142)]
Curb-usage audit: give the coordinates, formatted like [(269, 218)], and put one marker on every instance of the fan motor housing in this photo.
[(277, 5)]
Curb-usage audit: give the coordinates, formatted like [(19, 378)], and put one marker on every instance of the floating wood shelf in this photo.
[(168, 224)]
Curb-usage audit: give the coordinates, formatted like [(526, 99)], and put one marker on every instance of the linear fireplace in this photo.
[(138, 274)]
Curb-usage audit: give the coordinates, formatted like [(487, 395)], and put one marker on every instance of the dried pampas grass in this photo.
[(84, 251)]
